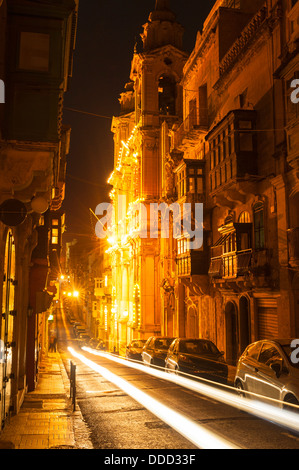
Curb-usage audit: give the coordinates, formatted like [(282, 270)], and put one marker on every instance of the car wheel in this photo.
[(293, 401), (240, 389)]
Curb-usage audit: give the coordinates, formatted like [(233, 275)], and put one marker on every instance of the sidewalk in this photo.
[(46, 419)]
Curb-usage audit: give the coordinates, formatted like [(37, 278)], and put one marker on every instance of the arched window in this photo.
[(244, 218), (167, 95), (259, 228)]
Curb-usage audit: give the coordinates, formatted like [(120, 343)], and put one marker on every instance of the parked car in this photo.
[(134, 349), (198, 357), (266, 368), (155, 350), (83, 339), (93, 343), (78, 330), (101, 346)]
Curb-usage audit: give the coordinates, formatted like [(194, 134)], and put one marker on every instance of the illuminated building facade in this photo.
[(218, 128), (234, 107), (36, 50), (152, 96)]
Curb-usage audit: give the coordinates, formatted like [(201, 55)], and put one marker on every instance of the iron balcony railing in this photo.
[(196, 122)]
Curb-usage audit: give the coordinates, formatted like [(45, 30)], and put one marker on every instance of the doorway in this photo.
[(231, 328), (244, 320), (7, 324)]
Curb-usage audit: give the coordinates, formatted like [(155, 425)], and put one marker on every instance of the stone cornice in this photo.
[(202, 43), (258, 25)]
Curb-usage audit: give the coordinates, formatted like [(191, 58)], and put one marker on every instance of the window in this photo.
[(55, 235), (230, 243), (244, 218), (259, 230), (192, 185), (181, 183), (236, 250), (253, 350), (190, 178), (167, 95), (34, 52), (184, 257), (203, 105), (269, 354), (182, 246), (195, 180)]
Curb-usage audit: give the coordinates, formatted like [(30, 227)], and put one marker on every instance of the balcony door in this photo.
[(192, 323)]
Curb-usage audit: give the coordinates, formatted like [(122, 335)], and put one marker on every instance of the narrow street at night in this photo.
[(149, 229), (115, 420)]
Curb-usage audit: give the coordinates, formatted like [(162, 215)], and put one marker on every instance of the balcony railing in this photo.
[(193, 125), (230, 265), (243, 41), (194, 263)]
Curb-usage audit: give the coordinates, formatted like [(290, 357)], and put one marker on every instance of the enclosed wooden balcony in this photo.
[(233, 151)]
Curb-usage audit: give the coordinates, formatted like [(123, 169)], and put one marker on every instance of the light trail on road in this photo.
[(198, 435), (285, 418)]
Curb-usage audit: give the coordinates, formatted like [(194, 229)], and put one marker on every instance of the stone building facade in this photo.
[(152, 96), (236, 125), (36, 50), (218, 128)]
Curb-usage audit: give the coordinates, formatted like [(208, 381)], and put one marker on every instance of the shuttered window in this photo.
[(267, 319)]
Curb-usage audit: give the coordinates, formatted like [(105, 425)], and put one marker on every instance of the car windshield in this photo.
[(163, 343), (198, 347), (292, 354)]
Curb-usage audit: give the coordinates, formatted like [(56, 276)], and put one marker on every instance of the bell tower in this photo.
[(162, 29), (156, 73)]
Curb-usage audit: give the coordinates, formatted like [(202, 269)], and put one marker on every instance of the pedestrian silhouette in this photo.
[(52, 344)]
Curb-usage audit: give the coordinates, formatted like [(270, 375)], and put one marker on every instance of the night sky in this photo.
[(107, 33)]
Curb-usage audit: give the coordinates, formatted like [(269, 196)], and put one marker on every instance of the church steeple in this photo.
[(162, 28)]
